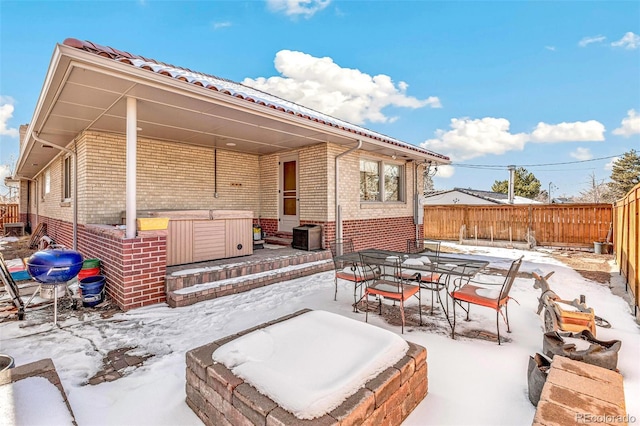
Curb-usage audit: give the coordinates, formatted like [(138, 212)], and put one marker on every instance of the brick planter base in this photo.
[(218, 397)]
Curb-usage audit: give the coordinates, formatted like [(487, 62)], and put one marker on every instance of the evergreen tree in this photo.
[(525, 184), (625, 174)]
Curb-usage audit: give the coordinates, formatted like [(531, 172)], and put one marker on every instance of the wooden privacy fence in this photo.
[(571, 225), (627, 244), (9, 213)]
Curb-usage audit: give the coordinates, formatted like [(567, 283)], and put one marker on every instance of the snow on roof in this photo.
[(496, 197), (237, 90), (311, 363)]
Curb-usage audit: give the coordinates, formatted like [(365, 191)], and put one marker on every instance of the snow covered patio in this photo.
[(471, 380)]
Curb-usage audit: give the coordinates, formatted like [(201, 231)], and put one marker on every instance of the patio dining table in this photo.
[(449, 268)]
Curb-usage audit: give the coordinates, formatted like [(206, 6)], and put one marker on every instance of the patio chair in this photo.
[(346, 270), (387, 281), (491, 295), (427, 280)]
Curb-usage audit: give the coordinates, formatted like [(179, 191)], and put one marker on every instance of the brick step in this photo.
[(213, 282)]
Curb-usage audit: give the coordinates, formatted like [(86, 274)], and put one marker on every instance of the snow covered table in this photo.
[(311, 367)]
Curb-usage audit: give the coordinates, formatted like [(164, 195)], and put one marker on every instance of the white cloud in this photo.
[(630, 125), (628, 41), (345, 93), (6, 113), (220, 25), (589, 40), (582, 154), (4, 172), (609, 165), (579, 131), (551, 48), (445, 171), (294, 8), (470, 138)]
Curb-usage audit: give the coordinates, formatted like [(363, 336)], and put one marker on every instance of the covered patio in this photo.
[(115, 133)]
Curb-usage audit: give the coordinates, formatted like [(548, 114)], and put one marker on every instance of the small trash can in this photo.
[(92, 290), (597, 247), (257, 233)]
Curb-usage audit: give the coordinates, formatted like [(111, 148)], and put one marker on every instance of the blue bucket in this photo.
[(92, 290)]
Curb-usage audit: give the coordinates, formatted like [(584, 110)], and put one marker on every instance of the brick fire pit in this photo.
[(219, 397)]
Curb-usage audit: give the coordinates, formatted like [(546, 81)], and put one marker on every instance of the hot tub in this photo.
[(201, 235)]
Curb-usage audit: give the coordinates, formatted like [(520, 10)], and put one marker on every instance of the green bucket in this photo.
[(91, 263)]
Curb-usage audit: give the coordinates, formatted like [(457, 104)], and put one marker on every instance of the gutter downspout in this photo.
[(75, 183), (338, 207)]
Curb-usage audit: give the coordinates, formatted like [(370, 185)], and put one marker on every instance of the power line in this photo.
[(500, 167)]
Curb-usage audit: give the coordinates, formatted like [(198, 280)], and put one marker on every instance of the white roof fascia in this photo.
[(142, 76)]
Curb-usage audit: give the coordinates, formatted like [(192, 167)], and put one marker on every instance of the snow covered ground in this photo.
[(471, 381)]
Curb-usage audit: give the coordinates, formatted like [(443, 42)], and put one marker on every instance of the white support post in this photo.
[(132, 142)]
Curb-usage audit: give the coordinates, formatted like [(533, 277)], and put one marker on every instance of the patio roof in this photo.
[(87, 85)]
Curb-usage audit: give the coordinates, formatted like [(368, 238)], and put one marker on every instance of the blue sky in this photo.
[(487, 83)]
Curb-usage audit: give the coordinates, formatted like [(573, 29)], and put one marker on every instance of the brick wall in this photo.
[(383, 233), (269, 188), (313, 183), (170, 176), (135, 268), (52, 202)]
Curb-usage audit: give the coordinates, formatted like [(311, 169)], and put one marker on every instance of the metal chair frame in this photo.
[(339, 247), (387, 281), (431, 282), (467, 292)]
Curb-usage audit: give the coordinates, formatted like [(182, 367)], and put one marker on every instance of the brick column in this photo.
[(135, 268)]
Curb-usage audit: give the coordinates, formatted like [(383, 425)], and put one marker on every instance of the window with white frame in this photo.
[(380, 181), (66, 178)]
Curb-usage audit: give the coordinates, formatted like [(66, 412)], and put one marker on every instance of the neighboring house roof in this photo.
[(497, 197), (237, 90), (489, 196)]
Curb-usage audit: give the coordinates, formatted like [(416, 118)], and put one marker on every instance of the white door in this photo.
[(289, 198)]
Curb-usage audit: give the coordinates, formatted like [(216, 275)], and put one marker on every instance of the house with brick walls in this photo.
[(117, 136)]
